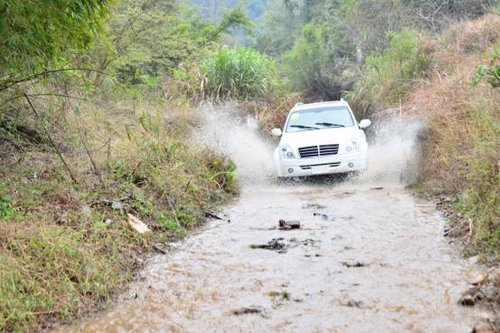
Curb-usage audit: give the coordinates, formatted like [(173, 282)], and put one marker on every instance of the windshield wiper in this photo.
[(304, 126), (330, 124)]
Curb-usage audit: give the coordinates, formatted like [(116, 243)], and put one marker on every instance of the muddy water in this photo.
[(365, 260), (368, 258)]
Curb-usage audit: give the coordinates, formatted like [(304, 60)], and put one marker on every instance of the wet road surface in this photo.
[(365, 260)]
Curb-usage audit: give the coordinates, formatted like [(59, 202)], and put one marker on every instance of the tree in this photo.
[(436, 14), (152, 37), (36, 34)]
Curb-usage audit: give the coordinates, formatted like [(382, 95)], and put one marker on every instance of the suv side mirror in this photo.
[(365, 123), (276, 132)]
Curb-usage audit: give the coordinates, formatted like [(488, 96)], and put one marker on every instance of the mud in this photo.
[(381, 264)]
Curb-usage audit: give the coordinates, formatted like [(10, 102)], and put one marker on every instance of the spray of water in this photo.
[(229, 129), (394, 152)]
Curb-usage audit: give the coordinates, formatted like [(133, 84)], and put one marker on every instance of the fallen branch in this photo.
[(159, 249), (110, 202), (6, 84), (211, 215), (172, 207)]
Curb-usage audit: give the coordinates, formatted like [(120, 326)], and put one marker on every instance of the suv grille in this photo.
[(315, 151)]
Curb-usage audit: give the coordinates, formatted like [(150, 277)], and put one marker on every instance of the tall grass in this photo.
[(241, 73), (463, 145)]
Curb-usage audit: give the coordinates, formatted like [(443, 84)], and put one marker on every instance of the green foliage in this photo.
[(241, 73), (149, 38), (389, 75), (6, 209), (136, 41), (322, 42), (36, 34), (213, 8), (281, 28), (491, 71), (233, 18), (170, 225), (314, 62), (45, 271)]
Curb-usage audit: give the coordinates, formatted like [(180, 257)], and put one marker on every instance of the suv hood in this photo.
[(320, 137)]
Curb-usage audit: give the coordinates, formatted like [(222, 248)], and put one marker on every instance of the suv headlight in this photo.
[(353, 146), (286, 152)]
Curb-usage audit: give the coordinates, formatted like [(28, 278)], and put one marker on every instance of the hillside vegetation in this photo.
[(464, 130), (441, 79), (87, 137), (99, 106)]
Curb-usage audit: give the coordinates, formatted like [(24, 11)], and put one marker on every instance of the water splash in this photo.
[(395, 152), (230, 130)]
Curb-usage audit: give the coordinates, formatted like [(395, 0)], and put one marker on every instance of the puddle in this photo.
[(398, 273)]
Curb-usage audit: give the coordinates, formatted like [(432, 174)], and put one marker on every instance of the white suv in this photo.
[(321, 138)]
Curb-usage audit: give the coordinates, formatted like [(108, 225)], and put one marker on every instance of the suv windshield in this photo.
[(331, 117)]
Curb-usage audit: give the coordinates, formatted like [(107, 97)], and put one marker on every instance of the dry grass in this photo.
[(63, 249), (462, 154), (473, 37)]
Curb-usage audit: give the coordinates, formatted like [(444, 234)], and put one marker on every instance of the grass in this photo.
[(225, 73), (389, 76), (65, 248), (433, 77), (462, 150)]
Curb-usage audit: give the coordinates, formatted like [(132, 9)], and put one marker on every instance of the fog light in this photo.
[(290, 170), (350, 165)]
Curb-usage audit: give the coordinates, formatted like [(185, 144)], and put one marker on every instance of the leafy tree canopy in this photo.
[(35, 33)]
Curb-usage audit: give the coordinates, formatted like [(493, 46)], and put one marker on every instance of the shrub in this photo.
[(491, 71), (389, 75), (463, 138), (318, 61)]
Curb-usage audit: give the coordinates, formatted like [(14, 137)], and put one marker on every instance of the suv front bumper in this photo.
[(301, 167)]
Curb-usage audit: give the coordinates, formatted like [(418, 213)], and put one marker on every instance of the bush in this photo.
[(318, 61), (388, 76)]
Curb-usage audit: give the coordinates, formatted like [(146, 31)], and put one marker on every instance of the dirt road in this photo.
[(369, 257), (365, 260)]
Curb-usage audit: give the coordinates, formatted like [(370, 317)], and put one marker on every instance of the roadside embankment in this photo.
[(433, 77), (462, 146), (65, 246)]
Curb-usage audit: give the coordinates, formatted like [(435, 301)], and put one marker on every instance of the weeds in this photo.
[(491, 71), (6, 209)]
